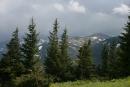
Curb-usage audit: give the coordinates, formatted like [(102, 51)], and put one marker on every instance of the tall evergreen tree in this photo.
[(105, 53), (125, 50), (52, 61), (64, 58), (85, 61), (112, 61), (30, 53), (29, 48), (11, 65)]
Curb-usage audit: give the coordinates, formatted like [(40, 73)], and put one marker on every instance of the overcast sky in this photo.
[(81, 17)]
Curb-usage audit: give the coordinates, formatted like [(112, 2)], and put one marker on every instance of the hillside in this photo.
[(98, 39), (112, 83)]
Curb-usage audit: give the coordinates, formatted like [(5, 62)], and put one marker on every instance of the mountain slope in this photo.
[(97, 39)]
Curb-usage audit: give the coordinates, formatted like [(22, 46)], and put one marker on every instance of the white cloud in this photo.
[(76, 7), (59, 7), (8, 5), (73, 6), (3, 5), (123, 9)]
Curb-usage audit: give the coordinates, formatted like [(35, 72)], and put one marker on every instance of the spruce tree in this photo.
[(112, 61), (30, 53), (125, 50), (11, 65), (64, 58), (52, 61), (105, 52), (85, 61), (29, 48)]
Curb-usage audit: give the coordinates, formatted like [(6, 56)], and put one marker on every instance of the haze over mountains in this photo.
[(98, 39)]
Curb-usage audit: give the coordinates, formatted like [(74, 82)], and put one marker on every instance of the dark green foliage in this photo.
[(85, 61), (30, 80), (11, 65), (105, 53), (22, 67), (110, 61), (52, 62), (57, 62), (125, 50), (30, 53), (65, 62)]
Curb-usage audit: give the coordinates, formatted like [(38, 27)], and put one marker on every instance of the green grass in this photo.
[(112, 83)]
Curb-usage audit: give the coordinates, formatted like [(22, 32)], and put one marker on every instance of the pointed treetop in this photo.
[(32, 22), (56, 25), (65, 30), (15, 33), (56, 22), (17, 29)]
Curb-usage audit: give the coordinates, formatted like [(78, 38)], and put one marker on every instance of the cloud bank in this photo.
[(76, 7), (72, 6), (123, 9), (81, 17)]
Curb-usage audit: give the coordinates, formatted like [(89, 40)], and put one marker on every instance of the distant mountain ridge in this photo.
[(97, 39)]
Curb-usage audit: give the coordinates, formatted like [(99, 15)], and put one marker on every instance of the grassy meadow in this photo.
[(112, 83)]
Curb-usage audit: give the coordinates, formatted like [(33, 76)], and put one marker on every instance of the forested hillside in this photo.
[(98, 59)]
